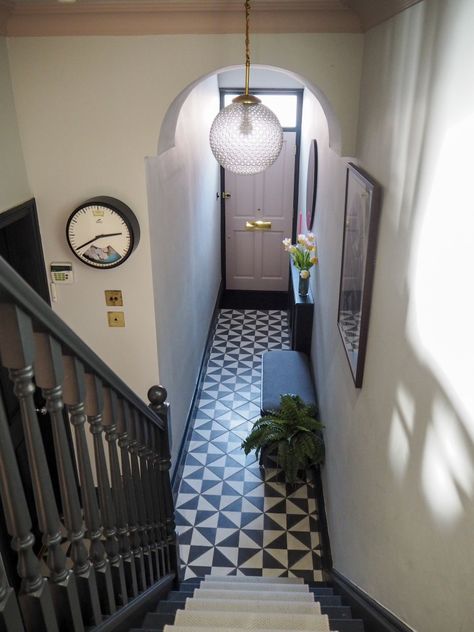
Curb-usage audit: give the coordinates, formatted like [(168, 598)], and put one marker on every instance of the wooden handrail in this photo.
[(16, 290)]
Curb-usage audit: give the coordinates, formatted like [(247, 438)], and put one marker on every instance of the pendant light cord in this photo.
[(247, 46)]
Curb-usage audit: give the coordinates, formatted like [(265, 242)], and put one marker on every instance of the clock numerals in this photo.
[(103, 232)]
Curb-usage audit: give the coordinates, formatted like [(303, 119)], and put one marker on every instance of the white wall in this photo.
[(14, 187), (185, 232), (90, 110), (399, 478)]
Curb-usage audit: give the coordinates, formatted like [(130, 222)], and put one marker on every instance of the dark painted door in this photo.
[(20, 246)]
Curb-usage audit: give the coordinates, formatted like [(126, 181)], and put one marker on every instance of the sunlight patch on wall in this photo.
[(447, 470), (442, 299), (401, 428)]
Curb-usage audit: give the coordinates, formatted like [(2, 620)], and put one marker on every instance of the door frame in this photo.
[(27, 211), (299, 113)]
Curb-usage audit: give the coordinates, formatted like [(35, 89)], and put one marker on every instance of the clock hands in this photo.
[(97, 237)]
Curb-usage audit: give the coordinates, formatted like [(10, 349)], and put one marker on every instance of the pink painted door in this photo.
[(255, 259)]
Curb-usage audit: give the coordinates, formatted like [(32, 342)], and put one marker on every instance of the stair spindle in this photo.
[(160, 499), (94, 410), (49, 377), (153, 506), (145, 474), (18, 352), (10, 617), (157, 396), (74, 396), (34, 598), (140, 495), (110, 423), (131, 500)]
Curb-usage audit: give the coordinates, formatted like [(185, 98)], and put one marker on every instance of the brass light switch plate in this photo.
[(114, 298), (116, 319)]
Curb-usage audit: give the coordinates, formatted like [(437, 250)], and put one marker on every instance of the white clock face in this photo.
[(99, 236)]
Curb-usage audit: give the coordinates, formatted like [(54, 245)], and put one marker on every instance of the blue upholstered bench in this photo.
[(285, 372)]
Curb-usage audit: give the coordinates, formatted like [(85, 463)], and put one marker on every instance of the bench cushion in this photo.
[(285, 372)]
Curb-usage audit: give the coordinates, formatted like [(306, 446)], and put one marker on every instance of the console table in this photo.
[(300, 314)]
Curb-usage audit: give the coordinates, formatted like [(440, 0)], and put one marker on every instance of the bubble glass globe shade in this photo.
[(246, 138)]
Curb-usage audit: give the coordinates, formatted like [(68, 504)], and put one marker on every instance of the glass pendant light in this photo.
[(246, 136)]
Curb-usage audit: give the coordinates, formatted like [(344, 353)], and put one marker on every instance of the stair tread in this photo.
[(246, 594), (183, 628), (253, 580), (254, 605), (263, 586), (253, 620)]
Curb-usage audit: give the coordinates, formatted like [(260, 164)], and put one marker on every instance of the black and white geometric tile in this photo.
[(232, 517)]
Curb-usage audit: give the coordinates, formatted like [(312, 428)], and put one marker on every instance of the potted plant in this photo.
[(292, 433)]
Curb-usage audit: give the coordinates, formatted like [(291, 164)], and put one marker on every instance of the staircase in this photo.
[(229, 604)]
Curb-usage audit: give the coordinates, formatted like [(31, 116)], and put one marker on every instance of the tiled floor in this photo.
[(232, 517)]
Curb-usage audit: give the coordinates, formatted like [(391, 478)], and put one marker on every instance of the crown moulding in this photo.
[(149, 17), (117, 17)]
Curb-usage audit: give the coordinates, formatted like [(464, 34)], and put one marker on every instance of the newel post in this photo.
[(157, 396)]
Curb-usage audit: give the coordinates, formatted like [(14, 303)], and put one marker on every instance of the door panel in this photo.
[(244, 244), (272, 267), (256, 260)]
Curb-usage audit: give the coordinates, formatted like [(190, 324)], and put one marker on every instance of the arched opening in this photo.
[(168, 128), (185, 224)]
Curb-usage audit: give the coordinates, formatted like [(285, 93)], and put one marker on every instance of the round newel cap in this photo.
[(157, 395)]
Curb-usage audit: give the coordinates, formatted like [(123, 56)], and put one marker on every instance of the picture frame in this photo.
[(361, 220), (312, 184)]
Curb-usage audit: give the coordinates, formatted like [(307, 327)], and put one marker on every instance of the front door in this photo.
[(255, 258)]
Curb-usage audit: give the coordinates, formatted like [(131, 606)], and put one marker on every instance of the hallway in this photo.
[(233, 518)]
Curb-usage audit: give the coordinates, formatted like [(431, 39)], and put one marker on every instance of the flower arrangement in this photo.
[(303, 253)]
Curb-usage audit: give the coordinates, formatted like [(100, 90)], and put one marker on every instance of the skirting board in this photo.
[(376, 618), (326, 559), (178, 470)]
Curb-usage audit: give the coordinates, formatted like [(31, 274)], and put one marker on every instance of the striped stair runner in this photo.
[(263, 604)]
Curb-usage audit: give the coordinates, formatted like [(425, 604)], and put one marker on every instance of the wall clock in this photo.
[(103, 232), (312, 184)]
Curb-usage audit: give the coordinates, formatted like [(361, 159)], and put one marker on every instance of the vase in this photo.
[(303, 286)]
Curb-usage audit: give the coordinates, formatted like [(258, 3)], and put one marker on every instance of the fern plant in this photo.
[(292, 432)]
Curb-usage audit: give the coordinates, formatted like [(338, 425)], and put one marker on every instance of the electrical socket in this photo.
[(113, 298), (116, 319)]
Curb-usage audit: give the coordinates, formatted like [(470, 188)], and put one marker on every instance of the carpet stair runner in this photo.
[(263, 604)]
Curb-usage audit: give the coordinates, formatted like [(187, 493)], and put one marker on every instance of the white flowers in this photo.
[(303, 252), (304, 274)]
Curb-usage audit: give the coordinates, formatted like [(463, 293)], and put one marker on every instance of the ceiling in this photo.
[(137, 17)]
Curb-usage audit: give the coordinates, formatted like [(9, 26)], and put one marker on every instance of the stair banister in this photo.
[(49, 373), (107, 548)]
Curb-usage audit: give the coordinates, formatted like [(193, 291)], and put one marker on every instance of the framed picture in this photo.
[(312, 184), (361, 218)]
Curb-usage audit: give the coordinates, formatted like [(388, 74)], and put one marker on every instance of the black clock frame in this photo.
[(125, 213)]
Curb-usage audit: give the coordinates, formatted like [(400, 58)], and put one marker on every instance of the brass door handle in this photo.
[(258, 224)]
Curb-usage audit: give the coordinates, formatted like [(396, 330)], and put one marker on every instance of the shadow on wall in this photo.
[(432, 429), (424, 348), (399, 477)]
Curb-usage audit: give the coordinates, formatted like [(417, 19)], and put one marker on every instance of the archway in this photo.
[(184, 221), (168, 128)]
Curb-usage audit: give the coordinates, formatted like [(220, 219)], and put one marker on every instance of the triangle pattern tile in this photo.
[(232, 516)]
